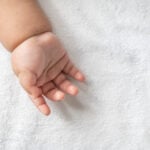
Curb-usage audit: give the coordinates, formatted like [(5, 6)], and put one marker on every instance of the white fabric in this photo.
[(109, 40)]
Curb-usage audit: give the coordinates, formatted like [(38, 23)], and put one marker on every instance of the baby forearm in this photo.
[(20, 20)]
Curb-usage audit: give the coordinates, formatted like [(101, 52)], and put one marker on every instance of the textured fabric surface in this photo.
[(110, 41)]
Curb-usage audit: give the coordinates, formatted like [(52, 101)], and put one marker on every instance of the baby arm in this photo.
[(38, 58), (20, 20)]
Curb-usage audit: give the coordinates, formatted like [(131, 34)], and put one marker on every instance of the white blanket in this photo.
[(109, 40)]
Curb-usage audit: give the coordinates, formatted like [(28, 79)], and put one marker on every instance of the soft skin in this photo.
[(19, 20), (39, 59)]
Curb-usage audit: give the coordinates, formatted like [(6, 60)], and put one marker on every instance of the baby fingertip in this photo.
[(79, 76), (44, 110)]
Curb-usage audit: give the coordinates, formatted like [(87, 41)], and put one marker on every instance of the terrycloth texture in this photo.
[(109, 40)]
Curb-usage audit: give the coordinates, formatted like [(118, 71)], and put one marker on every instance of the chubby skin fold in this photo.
[(20, 20), (38, 58)]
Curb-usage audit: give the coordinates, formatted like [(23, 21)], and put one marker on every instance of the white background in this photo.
[(109, 40)]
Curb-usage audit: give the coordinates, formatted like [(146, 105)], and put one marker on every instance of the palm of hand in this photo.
[(42, 66)]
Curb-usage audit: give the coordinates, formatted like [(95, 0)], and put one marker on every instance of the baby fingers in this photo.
[(65, 85), (41, 104), (71, 70), (52, 92)]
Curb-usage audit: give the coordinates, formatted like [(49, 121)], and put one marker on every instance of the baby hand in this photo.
[(42, 66)]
